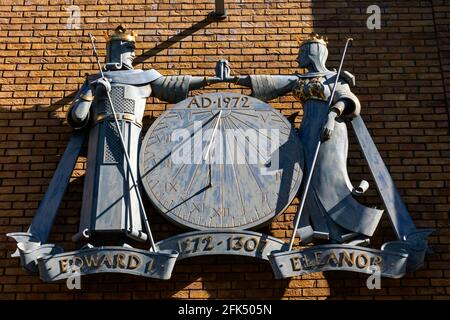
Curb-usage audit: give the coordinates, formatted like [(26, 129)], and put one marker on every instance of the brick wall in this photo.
[(403, 81)]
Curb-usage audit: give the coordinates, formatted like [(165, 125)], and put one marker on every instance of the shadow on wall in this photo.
[(58, 105), (176, 38)]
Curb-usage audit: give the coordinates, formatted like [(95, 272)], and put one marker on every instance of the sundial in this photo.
[(221, 161)]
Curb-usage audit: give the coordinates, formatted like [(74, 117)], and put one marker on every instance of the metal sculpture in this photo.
[(331, 211), (206, 189), (110, 105)]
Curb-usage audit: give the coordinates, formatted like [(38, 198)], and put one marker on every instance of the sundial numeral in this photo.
[(164, 138), (221, 212), (217, 212), (155, 183), (160, 138), (153, 140), (264, 197), (196, 207), (168, 204), (264, 117), (171, 186), (168, 163), (276, 118), (151, 162), (181, 115)]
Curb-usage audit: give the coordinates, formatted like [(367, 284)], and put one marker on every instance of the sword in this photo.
[(124, 148), (316, 153)]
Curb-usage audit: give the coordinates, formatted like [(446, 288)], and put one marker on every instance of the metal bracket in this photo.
[(220, 12)]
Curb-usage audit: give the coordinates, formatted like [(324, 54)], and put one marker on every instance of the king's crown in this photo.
[(314, 38), (121, 34)]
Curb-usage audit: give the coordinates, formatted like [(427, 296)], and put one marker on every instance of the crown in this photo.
[(121, 34), (313, 38)]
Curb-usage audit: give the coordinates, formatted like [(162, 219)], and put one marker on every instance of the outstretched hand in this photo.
[(223, 74), (223, 69)]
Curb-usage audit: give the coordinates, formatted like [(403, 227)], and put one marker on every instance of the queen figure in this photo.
[(331, 211)]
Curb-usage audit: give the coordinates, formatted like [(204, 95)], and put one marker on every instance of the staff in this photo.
[(316, 153)]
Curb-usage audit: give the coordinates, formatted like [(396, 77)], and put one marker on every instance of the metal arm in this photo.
[(196, 83), (220, 11)]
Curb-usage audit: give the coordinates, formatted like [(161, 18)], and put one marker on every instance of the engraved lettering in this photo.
[(196, 242), (362, 261), (107, 261), (332, 258), (63, 265), (347, 258), (134, 262), (206, 102), (149, 266), (245, 103), (237, 101), (92, 261), (250, 244), (377, 261), (296, 264), (235, 243), (227, 101), (209, 243), (193, 103), (318, 256), (120, 261)]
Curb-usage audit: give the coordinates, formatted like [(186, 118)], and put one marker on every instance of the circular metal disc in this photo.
[(221, 161)]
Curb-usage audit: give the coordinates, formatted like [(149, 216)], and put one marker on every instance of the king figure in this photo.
[(110, 205)]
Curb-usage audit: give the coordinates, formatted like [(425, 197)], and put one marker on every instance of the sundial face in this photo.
[(221, 161)]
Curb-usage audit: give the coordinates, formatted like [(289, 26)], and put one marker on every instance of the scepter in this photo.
[(124, 148), (316, 153)]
